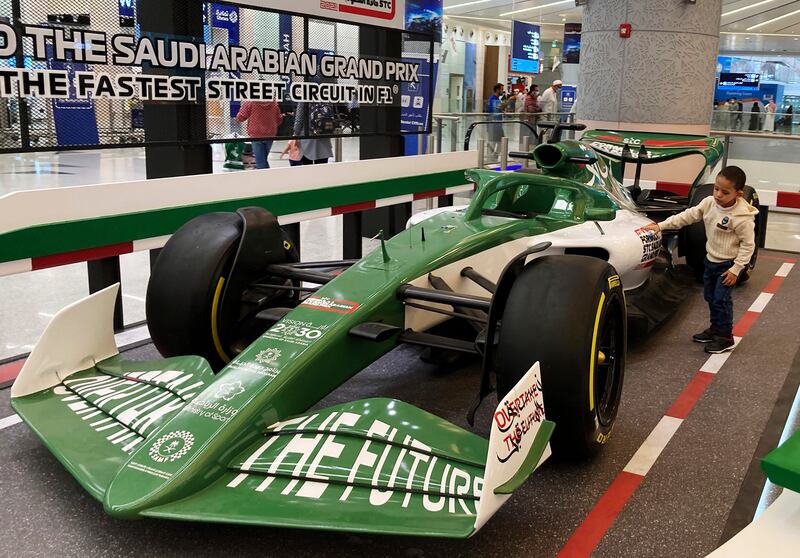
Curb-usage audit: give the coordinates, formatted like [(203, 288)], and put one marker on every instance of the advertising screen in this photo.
[(525, 48), (739, 82)]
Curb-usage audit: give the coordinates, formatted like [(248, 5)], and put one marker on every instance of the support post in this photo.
[(104, 273)]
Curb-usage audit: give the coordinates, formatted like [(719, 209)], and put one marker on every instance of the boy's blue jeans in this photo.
[(718, 297)]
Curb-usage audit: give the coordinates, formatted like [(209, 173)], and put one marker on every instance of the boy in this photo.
[(730, 233)]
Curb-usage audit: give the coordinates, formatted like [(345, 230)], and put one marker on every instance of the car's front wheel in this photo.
[(568, 313)]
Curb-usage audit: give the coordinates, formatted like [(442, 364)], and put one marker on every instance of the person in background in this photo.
[(724, 119), (769, 116), (755, 114), (293, 150), (549, 100), (532, 105), (738, 120), (263, 119), (519, 103), (730, 231), (787, 119), (313, 119), (495, 106)]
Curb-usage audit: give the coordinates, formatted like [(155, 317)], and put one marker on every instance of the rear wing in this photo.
[(651, 147), (643, 148)]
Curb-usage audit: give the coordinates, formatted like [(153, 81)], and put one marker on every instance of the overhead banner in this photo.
[(252, 71), (383, 13)]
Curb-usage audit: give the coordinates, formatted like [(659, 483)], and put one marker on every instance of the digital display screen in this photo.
[(740, 82), (525, 48)]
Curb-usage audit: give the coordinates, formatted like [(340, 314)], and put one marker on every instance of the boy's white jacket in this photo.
[(730, 231)]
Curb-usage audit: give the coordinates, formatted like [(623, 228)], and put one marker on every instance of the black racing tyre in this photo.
[(568, 313), (185, 286), (694, 235)]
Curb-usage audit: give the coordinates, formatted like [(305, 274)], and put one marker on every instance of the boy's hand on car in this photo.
[(652, 227), (729, 279)]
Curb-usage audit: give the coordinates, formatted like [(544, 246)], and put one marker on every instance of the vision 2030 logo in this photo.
[(172, 446)]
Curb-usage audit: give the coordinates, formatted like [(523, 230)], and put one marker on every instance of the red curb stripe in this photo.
[(10, 370), (680, 188), (589, 533), (789, 199), (777, 258), (773, 284), (690, 395), (352, 207), (674, 143), (745, 323), (88, 254), (431, 194)]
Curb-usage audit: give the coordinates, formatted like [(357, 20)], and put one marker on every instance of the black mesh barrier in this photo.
[(102, 73)]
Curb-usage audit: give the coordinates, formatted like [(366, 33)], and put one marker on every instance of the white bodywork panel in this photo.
[(510, 440), (77, 337), (630, 250)]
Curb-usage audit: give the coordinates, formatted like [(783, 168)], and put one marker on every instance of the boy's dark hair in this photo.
[(735, 175), (497, 87)]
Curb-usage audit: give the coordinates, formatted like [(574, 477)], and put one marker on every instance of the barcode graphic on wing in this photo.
[(126, 409)]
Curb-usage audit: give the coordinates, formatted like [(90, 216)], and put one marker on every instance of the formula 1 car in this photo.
[(220, 429)]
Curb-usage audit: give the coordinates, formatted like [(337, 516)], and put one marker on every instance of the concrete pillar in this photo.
[(659, 79)]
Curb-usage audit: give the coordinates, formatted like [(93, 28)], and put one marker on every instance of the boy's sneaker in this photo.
[(706, 336), (720, 345)]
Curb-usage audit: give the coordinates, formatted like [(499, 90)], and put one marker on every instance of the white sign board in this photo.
[(383, 13)]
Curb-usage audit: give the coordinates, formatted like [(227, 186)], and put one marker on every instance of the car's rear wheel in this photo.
[(184, 294), (694, 235), (568, 313)]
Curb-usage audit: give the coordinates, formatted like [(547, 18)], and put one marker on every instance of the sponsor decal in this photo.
[(447, 487), (297, 332), (127, 409), (651, 244), (381, 9), (329, 305), (616, 150), (268, 356), (228, 391), (214, 410), (171, 447), (517, 417)]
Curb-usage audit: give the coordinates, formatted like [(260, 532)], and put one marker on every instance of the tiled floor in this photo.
[(27, 301)]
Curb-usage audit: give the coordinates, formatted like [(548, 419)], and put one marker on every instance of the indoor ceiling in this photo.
[(747, 25)]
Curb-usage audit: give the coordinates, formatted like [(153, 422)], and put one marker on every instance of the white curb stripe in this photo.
[(132, 336), (715, 362), (759, 303), (784, 270), (9, 421), (304, 216), (457, 189), (385, 202), (17, 266), (150, 243), (646, 455)]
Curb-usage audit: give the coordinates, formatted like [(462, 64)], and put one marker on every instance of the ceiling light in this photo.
[(467, 4), (736, 11), (774, 20), (537, 7)]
